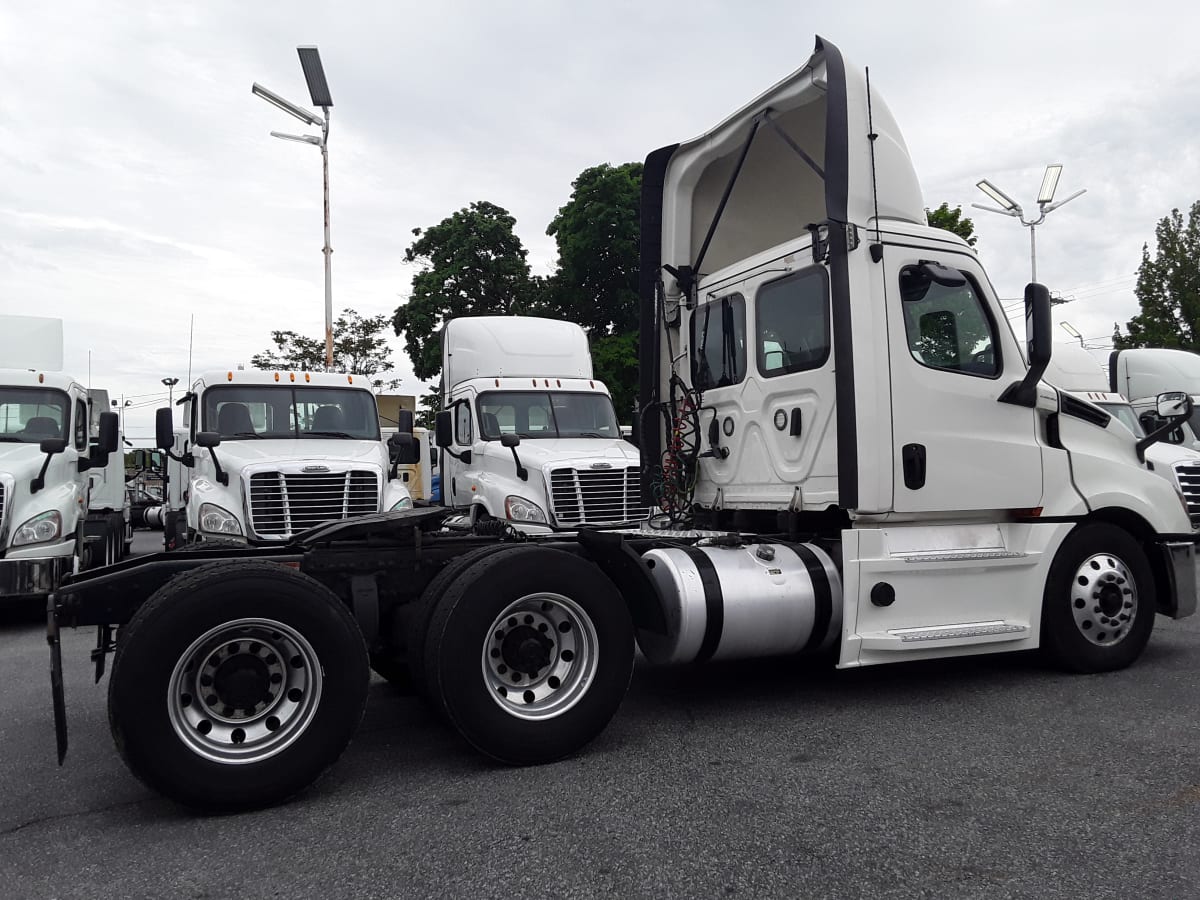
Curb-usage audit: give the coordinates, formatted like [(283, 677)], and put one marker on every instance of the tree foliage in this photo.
[(471, 264), (598, 232), (1168, 287), (359, 347), (952, 220)]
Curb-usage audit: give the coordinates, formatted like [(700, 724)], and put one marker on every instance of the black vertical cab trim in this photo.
[(837, 189), (714, 603), (649, 272), (1112, 372), (822, 595)]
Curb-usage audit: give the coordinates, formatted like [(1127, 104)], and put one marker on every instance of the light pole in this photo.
[(1010, 207), (318, 91), (121, 411), (170, 383)]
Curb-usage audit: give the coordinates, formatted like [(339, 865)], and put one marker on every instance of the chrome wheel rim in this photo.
[(244, 691), (540, 656), (1104, 599)]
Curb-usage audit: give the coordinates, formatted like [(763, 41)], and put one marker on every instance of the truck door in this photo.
[(762, 359), (456, 489), (955, 446)]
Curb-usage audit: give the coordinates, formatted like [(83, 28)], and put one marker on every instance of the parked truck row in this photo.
[(848, 448)]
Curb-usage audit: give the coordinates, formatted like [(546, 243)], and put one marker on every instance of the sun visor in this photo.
[(788, 159)]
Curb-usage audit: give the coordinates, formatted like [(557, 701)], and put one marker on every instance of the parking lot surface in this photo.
[(986, 777)]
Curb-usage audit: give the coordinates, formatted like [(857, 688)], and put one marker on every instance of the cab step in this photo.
[(932, 636)]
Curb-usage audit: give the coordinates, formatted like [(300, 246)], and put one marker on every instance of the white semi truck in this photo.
[(526, 432), (50, 446), (1074, 369), (853, 454), (1141, 374), (261, 456)]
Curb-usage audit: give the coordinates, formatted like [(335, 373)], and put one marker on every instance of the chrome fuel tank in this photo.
[(737, 602)]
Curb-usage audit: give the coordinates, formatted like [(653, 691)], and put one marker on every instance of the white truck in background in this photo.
[(1142, 374), (261, 456), (108, 531), (1074, 369), (50, 444), (526, 432)]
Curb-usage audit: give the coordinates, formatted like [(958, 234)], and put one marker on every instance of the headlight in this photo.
[(41, 528), (215, 520), (521, 510), (402, 503)]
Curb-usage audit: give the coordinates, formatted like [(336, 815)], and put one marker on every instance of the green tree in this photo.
[(1168, 288), (359, 347), (471, 264), (952, 220), (598, 231)]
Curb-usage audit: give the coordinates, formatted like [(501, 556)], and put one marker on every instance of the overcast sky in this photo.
[(141, 186)]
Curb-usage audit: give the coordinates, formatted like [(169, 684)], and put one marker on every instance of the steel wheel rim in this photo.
[(244, 691), (551, 635), (1104, 599)]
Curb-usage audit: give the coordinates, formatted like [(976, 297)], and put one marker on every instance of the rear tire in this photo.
[(1099, 603), (236, 685), (529, 654)]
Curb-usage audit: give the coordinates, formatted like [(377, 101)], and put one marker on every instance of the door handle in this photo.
[(796, 427), (913, 456)]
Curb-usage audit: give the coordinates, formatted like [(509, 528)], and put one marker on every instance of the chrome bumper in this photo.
[(32, 577), (1180, 600)]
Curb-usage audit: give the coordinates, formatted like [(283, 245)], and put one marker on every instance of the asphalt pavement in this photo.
[(983, 777)]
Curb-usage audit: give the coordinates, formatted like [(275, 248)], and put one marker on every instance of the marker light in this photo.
[(229, 376)]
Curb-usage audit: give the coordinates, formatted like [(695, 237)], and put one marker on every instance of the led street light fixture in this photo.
[(1049, 183), (301, 138), (286, 105), (1005, 201)]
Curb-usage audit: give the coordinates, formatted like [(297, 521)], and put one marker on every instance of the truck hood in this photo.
[(546, 454), (21, 461), (1164, 454), (239, 454)]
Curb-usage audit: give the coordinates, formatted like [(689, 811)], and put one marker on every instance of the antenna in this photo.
[(191, 332)]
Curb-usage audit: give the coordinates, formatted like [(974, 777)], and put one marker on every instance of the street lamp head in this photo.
[(286, 105), (170, 382), (1007, 203), (314, 74), (300, 138), (1049, 183)]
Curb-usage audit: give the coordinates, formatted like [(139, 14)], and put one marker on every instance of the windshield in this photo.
[(247, 412), (1124, 414), (30, 415), (550, 414)]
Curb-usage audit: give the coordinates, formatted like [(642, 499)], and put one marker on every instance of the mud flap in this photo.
[(56, 680)]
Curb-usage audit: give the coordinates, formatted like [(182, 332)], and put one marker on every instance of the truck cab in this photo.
[(261, 456), (1141, 374), (527, 433)]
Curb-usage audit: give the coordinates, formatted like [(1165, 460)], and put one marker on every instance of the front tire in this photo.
[(1099, 603), (529, 653), (236, 685)]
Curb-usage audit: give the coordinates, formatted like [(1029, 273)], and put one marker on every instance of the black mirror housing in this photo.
[(444, 429), (404, 421), (51, 446), (208, 439), (164, 429), (510, 440), (109, 429), (1038, 337), (404, 450)]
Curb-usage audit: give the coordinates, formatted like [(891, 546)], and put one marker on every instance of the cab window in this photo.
[(948, 327), (792, 324), (719, 342), (81, 425), (462, 423)]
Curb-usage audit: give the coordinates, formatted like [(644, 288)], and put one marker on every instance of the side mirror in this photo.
[(1173, 403), (404, 421), (510, 440), (1038, 337), (164, 429), (51, 446), (444, 429), (207, 438), (433, 457), (109, 437), (404, 450)]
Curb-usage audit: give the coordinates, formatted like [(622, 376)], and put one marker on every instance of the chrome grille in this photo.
[(285, 503), (596, 496), (1189, 482)]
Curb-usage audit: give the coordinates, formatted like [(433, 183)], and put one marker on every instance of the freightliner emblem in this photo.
[(601, 465), (315, 469)]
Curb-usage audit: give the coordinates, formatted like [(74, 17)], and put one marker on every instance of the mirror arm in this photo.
[(1158, 434), (40, 481), (522, 472), (222, 475)]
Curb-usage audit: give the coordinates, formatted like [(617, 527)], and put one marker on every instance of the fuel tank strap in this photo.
[(822, 595), (714, 603)]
